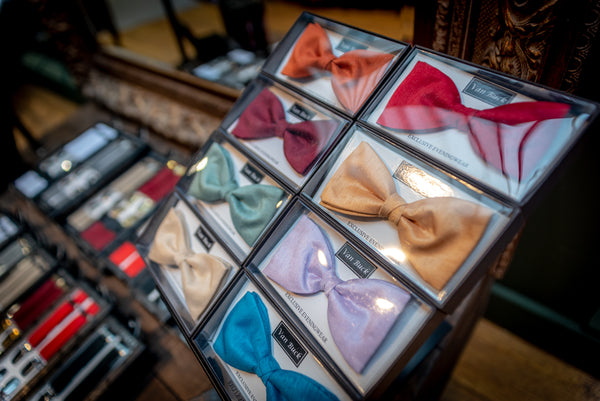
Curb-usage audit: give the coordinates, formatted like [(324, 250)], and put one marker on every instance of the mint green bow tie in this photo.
[(251, 207)]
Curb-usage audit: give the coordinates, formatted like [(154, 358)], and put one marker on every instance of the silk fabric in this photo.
[(513, 137), (354, 75), (360, 312), (302, 142), (251, 207), (244, 342), (201, 273), (436, 234)]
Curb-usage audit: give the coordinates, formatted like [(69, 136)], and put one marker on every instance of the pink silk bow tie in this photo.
[(513, 137), (302, 142), (354, 74)]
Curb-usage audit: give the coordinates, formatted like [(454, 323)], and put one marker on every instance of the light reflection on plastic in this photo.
[(199, 166), (421, 182), (395, 254), (279, 204), (383, 304), (66, 165), (322, 258)]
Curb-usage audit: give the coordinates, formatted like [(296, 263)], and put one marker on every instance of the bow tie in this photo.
[(251, 207), (302, 142), (245, 343), (360, 312), (513, 138), (436, 234), (201, 273), (354, 74)]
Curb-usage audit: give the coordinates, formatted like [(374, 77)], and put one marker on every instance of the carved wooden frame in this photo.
[(543, 41)]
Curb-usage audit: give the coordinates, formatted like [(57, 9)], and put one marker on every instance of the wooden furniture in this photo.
[(549, 42)]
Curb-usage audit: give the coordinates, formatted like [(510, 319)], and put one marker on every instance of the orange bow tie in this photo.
[(354, 74)]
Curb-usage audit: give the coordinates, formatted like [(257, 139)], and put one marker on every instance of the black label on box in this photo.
[(289, 344), (488, 93), (252, 173), (347, 45), (204, 238), (301, 112), (358, 264)]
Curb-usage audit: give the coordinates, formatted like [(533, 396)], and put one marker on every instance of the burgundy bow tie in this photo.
[(513, 137), (302, 142)]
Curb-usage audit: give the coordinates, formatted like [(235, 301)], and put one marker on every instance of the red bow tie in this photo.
[(354, 74), (513, 137), (302, 142)]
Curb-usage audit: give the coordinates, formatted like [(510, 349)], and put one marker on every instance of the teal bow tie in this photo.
[(245, 343), (251, 207)]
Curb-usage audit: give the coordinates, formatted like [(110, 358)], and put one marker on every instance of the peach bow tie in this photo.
[(436, 234), (201, 273)]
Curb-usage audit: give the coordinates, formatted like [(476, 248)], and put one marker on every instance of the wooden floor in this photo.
[(496, 365)]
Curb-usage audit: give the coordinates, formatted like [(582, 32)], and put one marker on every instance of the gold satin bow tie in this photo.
[(201, 273), (436, 234)]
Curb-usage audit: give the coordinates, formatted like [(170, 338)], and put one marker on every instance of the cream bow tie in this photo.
[(201, 273)]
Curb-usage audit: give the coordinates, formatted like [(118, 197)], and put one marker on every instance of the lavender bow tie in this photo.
[(360, 312)]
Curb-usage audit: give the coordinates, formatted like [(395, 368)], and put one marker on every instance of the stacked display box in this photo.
[(352, 198)]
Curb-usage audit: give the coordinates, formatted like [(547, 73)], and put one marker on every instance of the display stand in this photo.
[(360, 193)]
